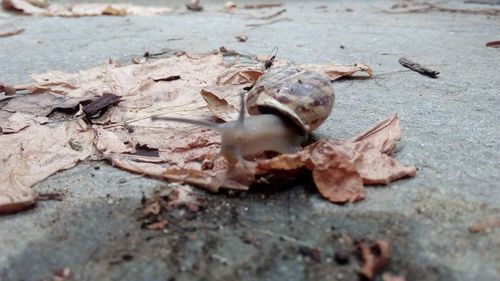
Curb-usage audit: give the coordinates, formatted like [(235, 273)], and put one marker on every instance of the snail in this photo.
[(285, 104)]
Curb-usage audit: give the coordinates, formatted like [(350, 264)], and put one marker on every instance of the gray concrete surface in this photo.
[(450, 132)]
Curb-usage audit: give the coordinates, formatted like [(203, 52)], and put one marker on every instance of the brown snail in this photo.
[(285, 105)]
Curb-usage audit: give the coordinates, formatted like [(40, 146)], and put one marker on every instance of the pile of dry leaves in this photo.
[(196, 86)]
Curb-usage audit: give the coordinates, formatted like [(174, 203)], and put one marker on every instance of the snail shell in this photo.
[(304, 97)]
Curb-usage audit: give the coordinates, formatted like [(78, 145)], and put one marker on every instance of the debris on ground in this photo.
[(425, 7), (493, 44), (194, 5), (61, 274), (375, 257), (12, 32), (262, 5), (241, 37), (156, 210), (387, 276), (50, 197), (30, 7), (484, 226), (415, 66), (100, 104)]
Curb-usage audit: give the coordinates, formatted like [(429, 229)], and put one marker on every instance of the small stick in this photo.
[(418, 67)]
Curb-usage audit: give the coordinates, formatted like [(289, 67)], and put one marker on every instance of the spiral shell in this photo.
[(304, 97)]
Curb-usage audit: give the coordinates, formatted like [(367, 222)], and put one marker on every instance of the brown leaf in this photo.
[(335, 176), (11, 32), (484, 226), (375, 256), (370, 151)]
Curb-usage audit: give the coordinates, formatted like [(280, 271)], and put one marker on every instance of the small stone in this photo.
[(341, 257)]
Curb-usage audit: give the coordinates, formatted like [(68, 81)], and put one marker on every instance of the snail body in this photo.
[(285, 106)]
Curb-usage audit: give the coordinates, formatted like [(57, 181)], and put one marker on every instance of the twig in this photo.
[(418, 67), (268, 23), (428, 7), (268, 17), (262, 6), (50, 197), (479, 227), (493, 44)]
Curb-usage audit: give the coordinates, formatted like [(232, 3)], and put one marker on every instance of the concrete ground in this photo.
[(450, 128)]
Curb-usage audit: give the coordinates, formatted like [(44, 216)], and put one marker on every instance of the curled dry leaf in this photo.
[(374, 256)]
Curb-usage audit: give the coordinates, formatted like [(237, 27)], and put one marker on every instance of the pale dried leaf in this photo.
[(34, 154), (18, 121), (82, 9), (336, 71), (223, 102), (98, 9), (108, 143), (41, 104), (22, 6)]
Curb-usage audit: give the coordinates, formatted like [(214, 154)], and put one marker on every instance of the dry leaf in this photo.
[(334, 175), (334, 71), (18, 121), (374, 256), (35, 153), (41, 104), (11, 32), (82, 9), (22, 6)]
